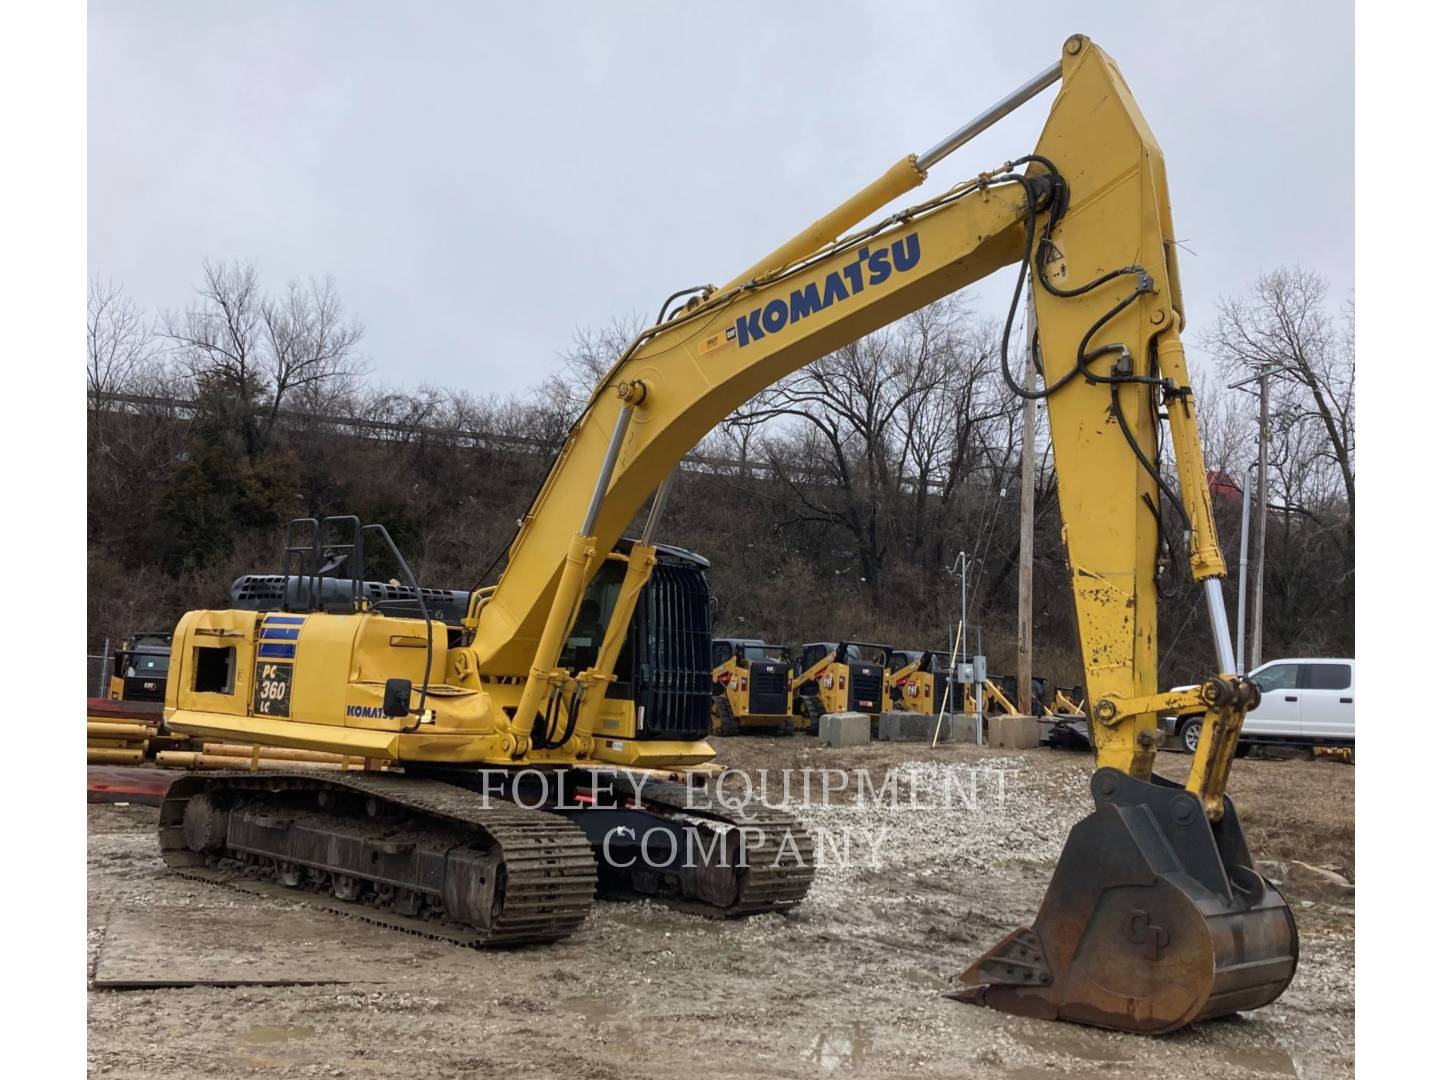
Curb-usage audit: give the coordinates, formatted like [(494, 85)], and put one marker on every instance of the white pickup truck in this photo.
[(1309, 701)]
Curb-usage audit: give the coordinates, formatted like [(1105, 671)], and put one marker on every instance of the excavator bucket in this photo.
[(1155, 919)]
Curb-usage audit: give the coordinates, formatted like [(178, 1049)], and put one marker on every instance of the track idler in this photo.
[(1155, 919)]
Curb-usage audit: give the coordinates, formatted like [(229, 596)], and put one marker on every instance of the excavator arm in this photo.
[(1090, 213), (1155, 917)]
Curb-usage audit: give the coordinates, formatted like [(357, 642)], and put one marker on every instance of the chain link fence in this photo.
[(95, 671)]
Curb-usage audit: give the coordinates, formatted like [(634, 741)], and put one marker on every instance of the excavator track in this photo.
[(528, 876), (778, 855)]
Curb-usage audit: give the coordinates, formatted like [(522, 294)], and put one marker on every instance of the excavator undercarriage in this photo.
[(479, 858)]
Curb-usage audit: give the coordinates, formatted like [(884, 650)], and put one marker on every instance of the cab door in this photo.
[(1327, 692), (1278, 715)]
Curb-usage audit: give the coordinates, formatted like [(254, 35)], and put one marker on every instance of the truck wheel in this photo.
[(1190, 733)]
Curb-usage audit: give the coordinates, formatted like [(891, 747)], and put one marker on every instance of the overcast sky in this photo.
[(479, 179)]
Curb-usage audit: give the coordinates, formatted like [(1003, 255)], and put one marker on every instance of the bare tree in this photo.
[(217, 342), (841, 460), (247, 355), (592, 353), (309, 346), (884, 438), (1284, 325), (119, 343)]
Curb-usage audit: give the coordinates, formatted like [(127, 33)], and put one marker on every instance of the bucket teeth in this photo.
[(1018, 960)]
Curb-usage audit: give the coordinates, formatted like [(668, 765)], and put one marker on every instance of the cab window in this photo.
[(720, 652), (866, 654), (582, 647), (1327, 676), (1277, 677), (813, 656)]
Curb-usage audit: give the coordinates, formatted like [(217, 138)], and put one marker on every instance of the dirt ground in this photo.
[(847, 985)]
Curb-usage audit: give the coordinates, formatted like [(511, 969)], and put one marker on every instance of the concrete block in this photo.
[(1015, 732), (957, 728), (906, 727), (920, 727), (844, 729)]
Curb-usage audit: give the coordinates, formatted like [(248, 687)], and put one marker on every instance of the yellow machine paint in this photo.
[(838, 676), (752, 684), (915, 681), (1069, 701), (1088, 213), (996, 702)]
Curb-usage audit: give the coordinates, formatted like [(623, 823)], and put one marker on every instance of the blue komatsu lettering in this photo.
[(879, 266), (804, 302), (906, 252), (869, 268), (364, 712), (747, 328), (777, 314)]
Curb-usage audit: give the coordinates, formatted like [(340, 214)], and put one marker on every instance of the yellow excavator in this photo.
[(507, 802)]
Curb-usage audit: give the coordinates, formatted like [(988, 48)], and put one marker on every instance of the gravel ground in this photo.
[(847, 985)]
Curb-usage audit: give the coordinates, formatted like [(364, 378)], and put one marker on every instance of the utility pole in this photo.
[(1262, 502), (1024, 661), (964, 607), (1244, 584)]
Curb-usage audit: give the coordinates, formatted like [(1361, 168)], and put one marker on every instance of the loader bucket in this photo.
[(1155, 918)]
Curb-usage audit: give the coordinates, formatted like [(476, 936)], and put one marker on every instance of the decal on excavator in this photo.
[(869, 268), (272, 689)]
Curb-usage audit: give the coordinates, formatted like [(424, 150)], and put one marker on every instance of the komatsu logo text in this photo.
[(871, 267), (364, 712)]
